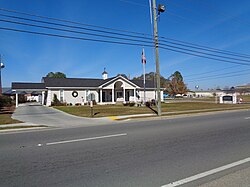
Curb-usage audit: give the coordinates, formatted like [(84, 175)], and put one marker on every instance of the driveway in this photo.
[(41, 115)]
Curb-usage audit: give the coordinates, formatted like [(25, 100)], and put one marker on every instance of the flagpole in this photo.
[(143, 58), (144, 81)]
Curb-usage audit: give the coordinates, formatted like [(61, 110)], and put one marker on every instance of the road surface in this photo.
[(158, 153)]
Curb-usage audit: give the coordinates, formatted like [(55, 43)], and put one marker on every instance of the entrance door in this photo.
[(119, 94), (103, 96), (127, 95)]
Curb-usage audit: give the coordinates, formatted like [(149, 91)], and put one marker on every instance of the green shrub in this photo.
[(56, 102), (129, 104), (5, 101)]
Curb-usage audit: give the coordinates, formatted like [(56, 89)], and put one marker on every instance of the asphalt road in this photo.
[(146, 153)]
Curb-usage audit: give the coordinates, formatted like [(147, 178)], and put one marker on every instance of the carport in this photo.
[(26, 88)]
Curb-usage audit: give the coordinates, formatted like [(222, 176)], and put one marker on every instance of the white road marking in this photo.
[(207, 173), (84, 139), (247, 118)]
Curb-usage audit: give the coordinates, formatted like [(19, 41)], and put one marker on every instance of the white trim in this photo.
[(16, 99), (115, 78), (124, 92), (61, 95), (100, 96), (113, 94), (134, 95), (73, 88)]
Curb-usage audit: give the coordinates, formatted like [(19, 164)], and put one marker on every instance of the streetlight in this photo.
[(1, 67), (161, 8)]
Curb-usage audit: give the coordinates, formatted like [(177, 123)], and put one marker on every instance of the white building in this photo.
[(82, 90)]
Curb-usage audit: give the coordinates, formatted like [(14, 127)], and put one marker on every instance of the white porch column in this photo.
[(16, 99), (101, 95), (124, 93), (134, 95), (113, 95), (43, 97), (86, 95), (49, 99)]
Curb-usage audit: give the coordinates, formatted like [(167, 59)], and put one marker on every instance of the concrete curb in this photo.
[(18, 125), (184, 113)]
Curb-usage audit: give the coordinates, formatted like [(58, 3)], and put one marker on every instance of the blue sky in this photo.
[(220, 24)]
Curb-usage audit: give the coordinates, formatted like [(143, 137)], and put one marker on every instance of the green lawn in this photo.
[(246, 98), (103, 110), (6, 119), (116, 110), (5, 116)]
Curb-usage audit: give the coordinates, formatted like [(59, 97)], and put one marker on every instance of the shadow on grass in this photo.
[(6, 110), (155, 111)]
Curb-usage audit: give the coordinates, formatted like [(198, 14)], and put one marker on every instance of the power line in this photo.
[(142, 44), (120, 30), (211, 71), (190, 50), (206, 49), (66, 30), (229, 73), (223, 13), (133, 3), (73, 37), (202, 56), (75, 27), (236, 75), (73, 22), (116, 42)]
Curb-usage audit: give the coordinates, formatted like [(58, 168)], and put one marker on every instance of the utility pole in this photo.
[(158, 91), (1, 67)]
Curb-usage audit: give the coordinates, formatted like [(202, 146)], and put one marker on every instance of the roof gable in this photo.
[(111, 80)]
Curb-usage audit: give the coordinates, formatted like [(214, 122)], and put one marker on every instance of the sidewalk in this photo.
[(239, 178)]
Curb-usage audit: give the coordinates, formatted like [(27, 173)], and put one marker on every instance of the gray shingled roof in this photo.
[(73, 82), (25, 85), (149, 83), (87, 82)]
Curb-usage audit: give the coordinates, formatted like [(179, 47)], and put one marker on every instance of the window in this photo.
[(91, 97)]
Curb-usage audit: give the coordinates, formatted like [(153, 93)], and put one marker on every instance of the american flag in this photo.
[(143, 57)]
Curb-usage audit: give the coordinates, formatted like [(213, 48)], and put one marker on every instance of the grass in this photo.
[(5, 116), (6, 119), (117, 110), (103, 110), (189, 106), (246, 98)]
